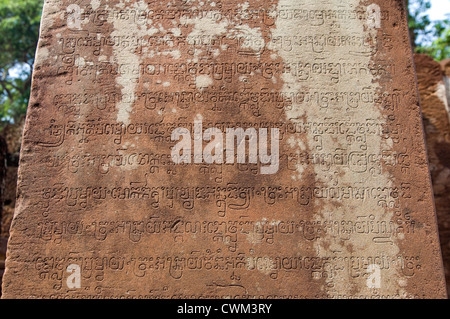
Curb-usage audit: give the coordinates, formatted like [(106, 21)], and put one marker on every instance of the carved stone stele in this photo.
[(217, 149)]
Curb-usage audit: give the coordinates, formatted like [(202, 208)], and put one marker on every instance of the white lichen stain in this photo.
[(251, 38), (175, 54), (203, 81), (327, 245), (127, 82), (43, 54), (95, 4), (265, 264), (253, 237), (176, 32), (441, 93), (206, 26)]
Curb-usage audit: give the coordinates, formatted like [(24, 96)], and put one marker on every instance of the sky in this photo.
[(439, 8)]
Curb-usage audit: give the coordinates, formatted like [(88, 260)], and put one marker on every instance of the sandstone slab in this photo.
[(243, 149), (435, 110)]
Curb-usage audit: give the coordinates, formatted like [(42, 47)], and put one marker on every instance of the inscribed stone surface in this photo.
[(249, 149)]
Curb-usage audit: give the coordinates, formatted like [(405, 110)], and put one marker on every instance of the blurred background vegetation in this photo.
[(19, 32)]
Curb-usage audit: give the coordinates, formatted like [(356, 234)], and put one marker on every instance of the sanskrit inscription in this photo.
[(224, 149)]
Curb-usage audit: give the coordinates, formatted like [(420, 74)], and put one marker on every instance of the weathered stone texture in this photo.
[(434, 104), (445, 65), (10, 138), (104, 211), (3, 152)]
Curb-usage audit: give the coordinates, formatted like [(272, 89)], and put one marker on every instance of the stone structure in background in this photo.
[(434, 106), (445, 65), (10, 138), (3, 160), (12, 134), (134, 180)]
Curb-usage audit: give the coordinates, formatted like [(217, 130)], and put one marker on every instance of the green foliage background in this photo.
[(429, 37), (19, 32)]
